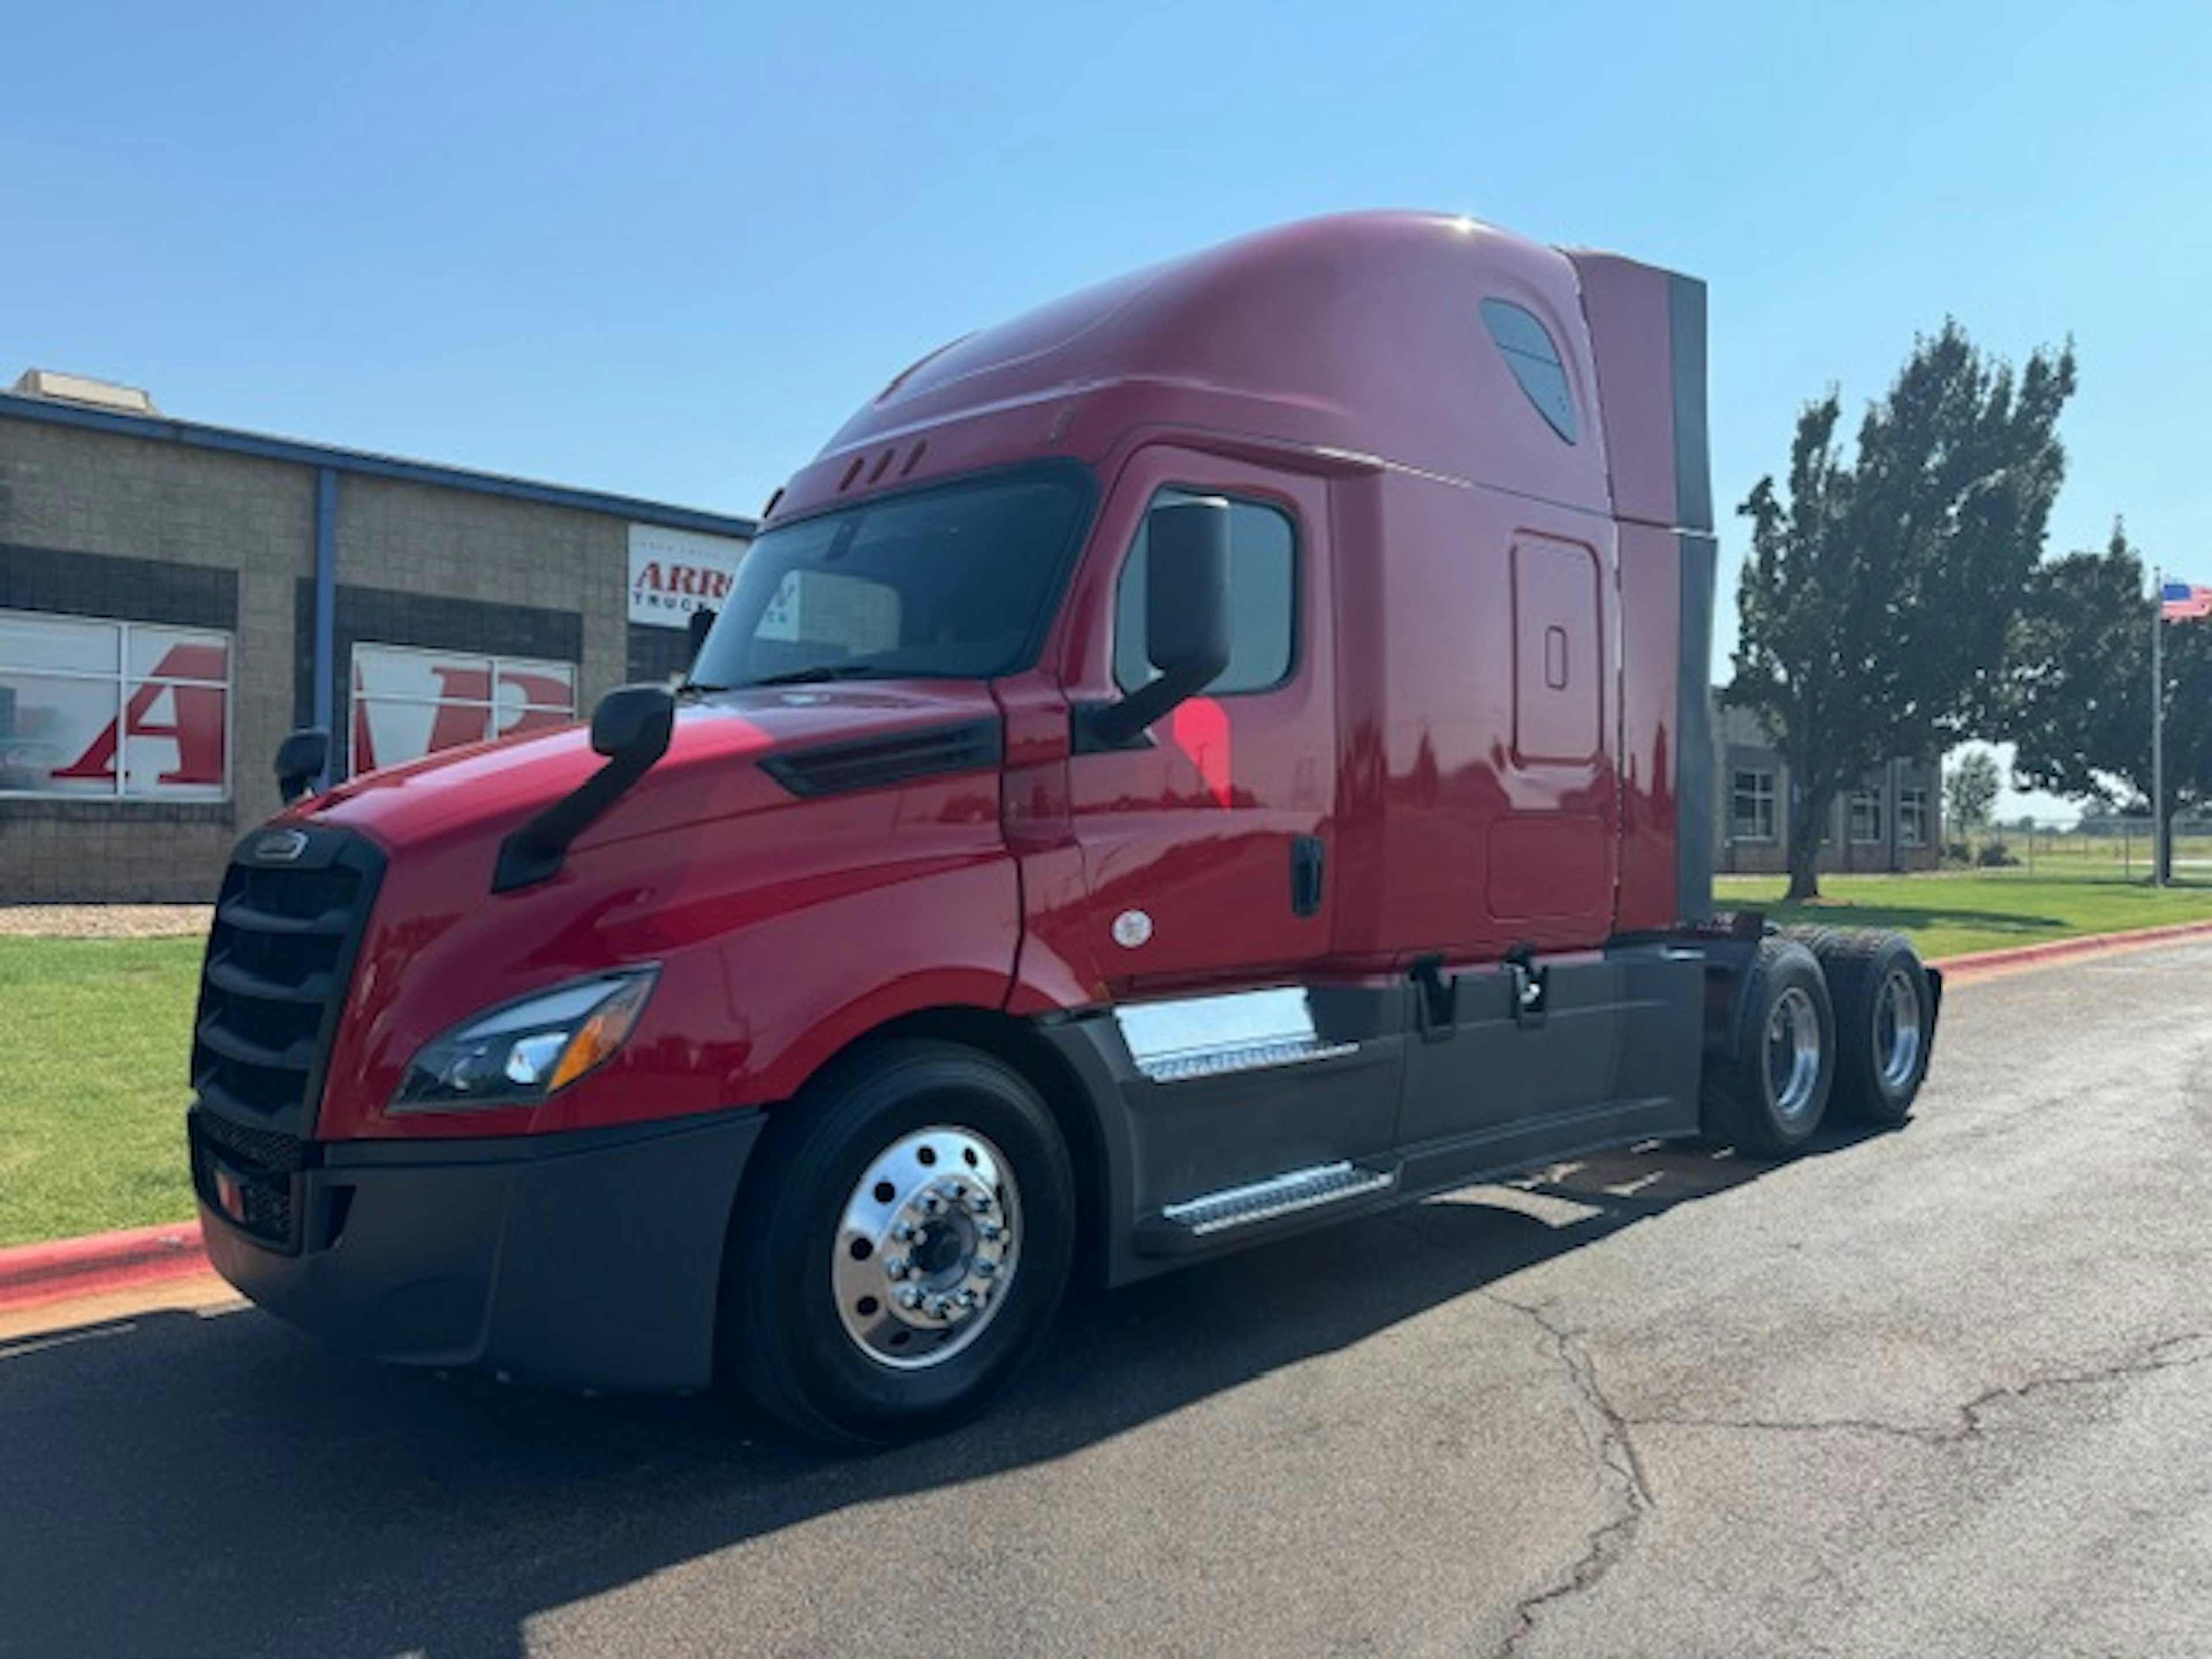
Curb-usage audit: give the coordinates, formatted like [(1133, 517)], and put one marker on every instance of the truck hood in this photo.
[(713, 768)]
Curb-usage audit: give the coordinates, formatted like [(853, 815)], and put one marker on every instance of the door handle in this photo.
[(1306, 853)]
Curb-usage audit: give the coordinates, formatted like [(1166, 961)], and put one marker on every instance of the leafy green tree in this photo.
[(1880, 589), (2078, 704), (1970, 790)]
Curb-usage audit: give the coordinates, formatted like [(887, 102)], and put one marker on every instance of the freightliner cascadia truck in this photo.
[(1223, 754)]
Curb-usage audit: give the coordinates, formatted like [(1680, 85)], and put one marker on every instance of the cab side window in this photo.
[(1263, 601)]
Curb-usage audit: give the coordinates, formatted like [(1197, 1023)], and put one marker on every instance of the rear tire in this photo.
[(1885, 1018), (900, 1245), (1767, 1096)]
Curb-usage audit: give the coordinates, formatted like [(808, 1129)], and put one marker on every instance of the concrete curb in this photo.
[(69, 1268)]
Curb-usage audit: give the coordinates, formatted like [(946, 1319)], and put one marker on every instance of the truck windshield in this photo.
[(951, 582)]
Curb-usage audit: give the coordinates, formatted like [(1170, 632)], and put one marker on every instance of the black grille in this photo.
[(278, 962), (249, 1177), (875, 763)]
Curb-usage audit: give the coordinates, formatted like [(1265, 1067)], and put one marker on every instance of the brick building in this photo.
[(175, 598), (1891, 822)]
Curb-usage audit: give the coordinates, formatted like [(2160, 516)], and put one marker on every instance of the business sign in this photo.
[(105, 709), (409, 703), (673, 573)]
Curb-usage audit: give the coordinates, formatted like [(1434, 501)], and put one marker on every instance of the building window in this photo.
[(409, 703), (112, 710), (1912, 818), (1263, 593), (1866, 815), (1752, 815)]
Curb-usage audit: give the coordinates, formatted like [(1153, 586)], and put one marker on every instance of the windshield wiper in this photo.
[(828, 670)]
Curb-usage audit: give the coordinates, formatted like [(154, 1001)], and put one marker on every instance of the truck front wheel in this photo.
[(1767, 1095), (900, 1245)]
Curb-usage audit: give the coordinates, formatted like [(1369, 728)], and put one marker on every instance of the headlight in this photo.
[(524, 1051)]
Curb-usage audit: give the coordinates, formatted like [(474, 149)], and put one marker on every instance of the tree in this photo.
[(1970, 790), (1878, 593), (2078, 699)]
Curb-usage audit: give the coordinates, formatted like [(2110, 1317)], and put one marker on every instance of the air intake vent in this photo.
[(878, 762)]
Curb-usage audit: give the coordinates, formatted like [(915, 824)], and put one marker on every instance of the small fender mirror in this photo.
[(634, 721), (301, 760)]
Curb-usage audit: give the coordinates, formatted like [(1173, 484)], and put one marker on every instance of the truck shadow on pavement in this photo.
[(188, 1483)]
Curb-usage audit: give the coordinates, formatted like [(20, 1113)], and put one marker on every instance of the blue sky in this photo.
[(665, 250)]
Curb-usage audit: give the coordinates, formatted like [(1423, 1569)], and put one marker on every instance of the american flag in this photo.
[(2182, 602)]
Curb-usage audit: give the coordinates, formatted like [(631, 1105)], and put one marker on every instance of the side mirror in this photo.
[(634, 722), (700, 623), (1186, 614), (301, 759)]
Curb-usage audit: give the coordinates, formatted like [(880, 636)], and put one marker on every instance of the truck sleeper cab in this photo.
[(1224, 753)]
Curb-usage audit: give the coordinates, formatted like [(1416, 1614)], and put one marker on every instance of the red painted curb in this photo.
[(2057, 950), (68, 1268)]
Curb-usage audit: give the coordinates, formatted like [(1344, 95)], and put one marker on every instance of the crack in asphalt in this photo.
[(1620, 1474), (2161, 1356), (1621, 1467)]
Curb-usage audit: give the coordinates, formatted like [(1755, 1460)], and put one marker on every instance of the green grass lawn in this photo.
[(95, 1048), (1953, 913)]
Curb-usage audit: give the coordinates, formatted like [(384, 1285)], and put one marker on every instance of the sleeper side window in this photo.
[(1530, 352), (1263, 601)]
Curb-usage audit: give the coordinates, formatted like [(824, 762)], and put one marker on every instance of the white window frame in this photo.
[(119, 676), (355, 699), (1871, 801), (1912, 818), (1762, 790)]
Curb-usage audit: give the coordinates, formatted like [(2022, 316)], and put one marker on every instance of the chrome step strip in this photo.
[(1282, 1195), (1246, 1057), (1213, 1036)]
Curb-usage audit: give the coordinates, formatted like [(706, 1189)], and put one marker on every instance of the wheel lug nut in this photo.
[(898, 1266), (906, 1232), (968, 1298), (979, 1202), (989, 1231), (939, 1306), (909, 1297), (931, 1204), (984, 1267)]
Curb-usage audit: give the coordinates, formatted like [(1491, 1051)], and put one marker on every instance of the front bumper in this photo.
[(589, 1259)]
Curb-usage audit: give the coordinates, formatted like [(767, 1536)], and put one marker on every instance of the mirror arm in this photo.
[(533, 853), (1120, 723)]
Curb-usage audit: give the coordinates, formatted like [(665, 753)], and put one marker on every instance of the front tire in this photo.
[(900, 1246), (1767, 1096)]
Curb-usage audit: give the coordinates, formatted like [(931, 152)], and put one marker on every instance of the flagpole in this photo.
[(2158, 728)]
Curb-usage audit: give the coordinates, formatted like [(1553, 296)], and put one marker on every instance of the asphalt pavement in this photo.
[(1938, 1392)]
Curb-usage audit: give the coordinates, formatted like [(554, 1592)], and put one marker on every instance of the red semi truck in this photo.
[(1224, 753)]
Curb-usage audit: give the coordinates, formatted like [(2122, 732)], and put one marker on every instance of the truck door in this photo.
[(1207, 844)]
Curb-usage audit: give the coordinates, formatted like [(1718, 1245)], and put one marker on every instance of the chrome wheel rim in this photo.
[(1793, 1053), (926, 1248), (1896, 1031)]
